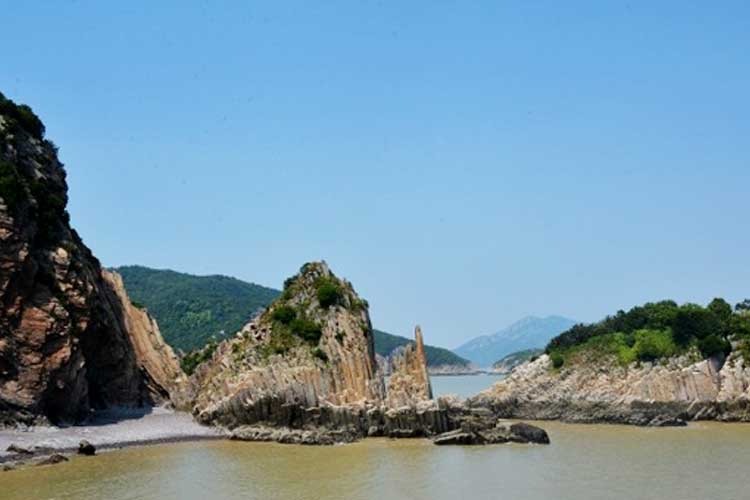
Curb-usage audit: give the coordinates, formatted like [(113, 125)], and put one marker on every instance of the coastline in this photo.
[(112, 429)]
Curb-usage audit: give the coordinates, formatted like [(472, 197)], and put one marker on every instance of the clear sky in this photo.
[(463, 163)]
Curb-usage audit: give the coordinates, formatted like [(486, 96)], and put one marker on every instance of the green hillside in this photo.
[(658, 330), (193, 310), (385, 343)]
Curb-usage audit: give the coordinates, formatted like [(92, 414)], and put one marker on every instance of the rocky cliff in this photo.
[(409, 383), (312, 347), (662, 393), (304, 371), (70, 340)]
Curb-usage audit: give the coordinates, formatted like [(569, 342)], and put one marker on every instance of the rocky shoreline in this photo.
[(444, 421), (671, 393), (112, 429)]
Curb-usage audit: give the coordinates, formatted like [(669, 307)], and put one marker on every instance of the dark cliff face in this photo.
[(65, 339)]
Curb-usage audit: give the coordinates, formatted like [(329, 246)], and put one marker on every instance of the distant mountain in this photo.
[(192, 310), (529, 333)]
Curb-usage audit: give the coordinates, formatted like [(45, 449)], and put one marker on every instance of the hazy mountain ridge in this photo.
[(527, 333)]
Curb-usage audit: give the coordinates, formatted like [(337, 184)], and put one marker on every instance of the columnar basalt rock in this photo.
[(656, 394), (304, 372), (70, 340), (410, 383), (313, 347)]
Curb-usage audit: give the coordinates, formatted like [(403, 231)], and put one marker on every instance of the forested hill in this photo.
[(385, 343), (658, 330), (192, 310)]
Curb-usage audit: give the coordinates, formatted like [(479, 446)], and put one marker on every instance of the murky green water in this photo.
[(705, 460)]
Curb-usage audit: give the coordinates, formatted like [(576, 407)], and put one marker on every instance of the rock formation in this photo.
[(70, 340), (311, 347), (666, 393), (304, 371), (410, 383)]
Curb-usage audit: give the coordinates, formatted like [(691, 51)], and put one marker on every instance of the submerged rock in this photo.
[(472, 435), (527, 433)]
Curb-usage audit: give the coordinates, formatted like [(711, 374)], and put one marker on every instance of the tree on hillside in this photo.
[(693, 321)]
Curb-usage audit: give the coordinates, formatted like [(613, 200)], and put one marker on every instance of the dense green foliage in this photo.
[(713, 345), (22, 116), (385, 343), (50, 210), (11, 188), (557, 359), (329, 293), (307, 330), (655, 331), (191, 310), (49, 207), (191, 360), (284, 314)]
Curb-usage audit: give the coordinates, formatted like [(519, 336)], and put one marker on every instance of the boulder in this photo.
[(55, 458), (475, 434), (455, 437), (527, 433), (86, 448), (14, 448)]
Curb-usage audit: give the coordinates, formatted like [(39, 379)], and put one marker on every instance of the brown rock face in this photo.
[(70, 340), (410, 383), (312, 347)]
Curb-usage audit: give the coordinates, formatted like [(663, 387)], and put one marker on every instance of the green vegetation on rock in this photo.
[(328, 292), (655, 331), (11, 188), (22, 116), (191, 360)]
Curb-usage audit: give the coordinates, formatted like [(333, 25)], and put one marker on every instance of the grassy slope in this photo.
[(193, 309)]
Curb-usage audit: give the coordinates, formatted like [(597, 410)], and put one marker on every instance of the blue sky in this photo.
[(463, 163)]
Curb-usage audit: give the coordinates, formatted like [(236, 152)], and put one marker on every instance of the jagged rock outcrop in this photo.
[(304, 372), (409, 383), (70, 340), (312, 347), (157, 361), (666, 393)]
